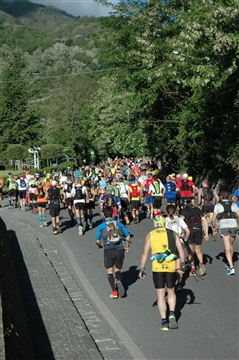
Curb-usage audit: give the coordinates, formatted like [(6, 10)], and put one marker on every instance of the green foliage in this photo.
[(179, 61), (51, 151), (16, 151)]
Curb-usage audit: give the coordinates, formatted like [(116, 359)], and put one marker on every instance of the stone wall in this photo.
[(14, 336)]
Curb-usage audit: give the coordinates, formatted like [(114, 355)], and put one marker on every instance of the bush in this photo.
[(9, 167)]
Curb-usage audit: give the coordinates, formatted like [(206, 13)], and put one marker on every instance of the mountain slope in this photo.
[(36, 16)]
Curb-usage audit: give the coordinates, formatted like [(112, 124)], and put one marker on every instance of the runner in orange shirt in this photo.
[(40, 191)]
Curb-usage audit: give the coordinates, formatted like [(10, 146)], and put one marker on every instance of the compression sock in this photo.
[(118, 275), (40, 218), (90, 218), (44, 217), (111, 281), (78, 221)]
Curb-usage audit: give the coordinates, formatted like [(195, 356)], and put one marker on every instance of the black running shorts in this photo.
[(195, 238), (161, 279), (114, 257), (54, 210), (134, 205), (157, 202)]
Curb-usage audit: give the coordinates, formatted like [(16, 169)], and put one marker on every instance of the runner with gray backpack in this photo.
[(207, 198), (116, 240)]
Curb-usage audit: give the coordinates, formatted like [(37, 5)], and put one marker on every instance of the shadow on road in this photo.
[(224, 259), (129, 277), (40, 342)]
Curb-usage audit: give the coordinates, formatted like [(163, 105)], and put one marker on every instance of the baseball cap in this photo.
[(185, 176), (53, 183)]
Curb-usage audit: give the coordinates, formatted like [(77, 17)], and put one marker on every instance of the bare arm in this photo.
[(144, 256), (180, 248)]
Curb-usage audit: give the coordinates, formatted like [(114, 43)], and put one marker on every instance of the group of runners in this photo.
[(129, 191)]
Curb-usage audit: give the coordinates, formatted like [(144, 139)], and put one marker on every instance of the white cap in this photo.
[(53, 183), (185, 176)]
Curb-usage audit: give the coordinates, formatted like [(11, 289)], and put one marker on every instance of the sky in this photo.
[(77, 7)]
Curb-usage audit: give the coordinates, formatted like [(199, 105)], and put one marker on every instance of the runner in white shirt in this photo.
[(80, 195), (177, 224), (22, 191)]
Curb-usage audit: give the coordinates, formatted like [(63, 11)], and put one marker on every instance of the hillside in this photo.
[(55, 57), (36, 16)]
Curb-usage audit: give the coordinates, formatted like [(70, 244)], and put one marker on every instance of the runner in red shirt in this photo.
[(186, 187)]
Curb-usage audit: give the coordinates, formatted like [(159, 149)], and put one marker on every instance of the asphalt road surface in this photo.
[(207, 309)]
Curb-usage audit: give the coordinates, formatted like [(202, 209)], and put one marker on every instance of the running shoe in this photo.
[(227, 267), (80, 230), (230, 271), (91, 226), (41, 225), (164, 326), (192, 272), (55, 232), (44, 223), (172, 322), (120, 287), (58, 229), (202, 270), (114, 294)]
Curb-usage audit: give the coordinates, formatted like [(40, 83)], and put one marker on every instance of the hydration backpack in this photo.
[(207, 195), (114, 237), (135, 192), (171, 186), (69, 187), (54, 195), (227, 213), (41, 192), (33, 184), (192, 216), (156, 187), (109, 200), (22, 183), (185, 185), (79, 193)]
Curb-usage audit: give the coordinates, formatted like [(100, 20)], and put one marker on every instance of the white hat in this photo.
[(53, 183), (185, 176)]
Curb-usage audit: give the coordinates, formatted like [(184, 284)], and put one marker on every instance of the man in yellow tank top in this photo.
[(164, 244)]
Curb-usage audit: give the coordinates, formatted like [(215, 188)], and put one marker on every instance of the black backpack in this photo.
[(79, 193), (207, 195), (69, 187), (185, 185), (41, 192), (192, 216), (227, 213), (54, 195)]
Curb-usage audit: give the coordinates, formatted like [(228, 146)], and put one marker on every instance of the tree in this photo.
[(18, 120), (51, 151), (16, 152), (180, 59)]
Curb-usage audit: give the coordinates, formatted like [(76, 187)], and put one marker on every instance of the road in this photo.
[(207, 309)]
